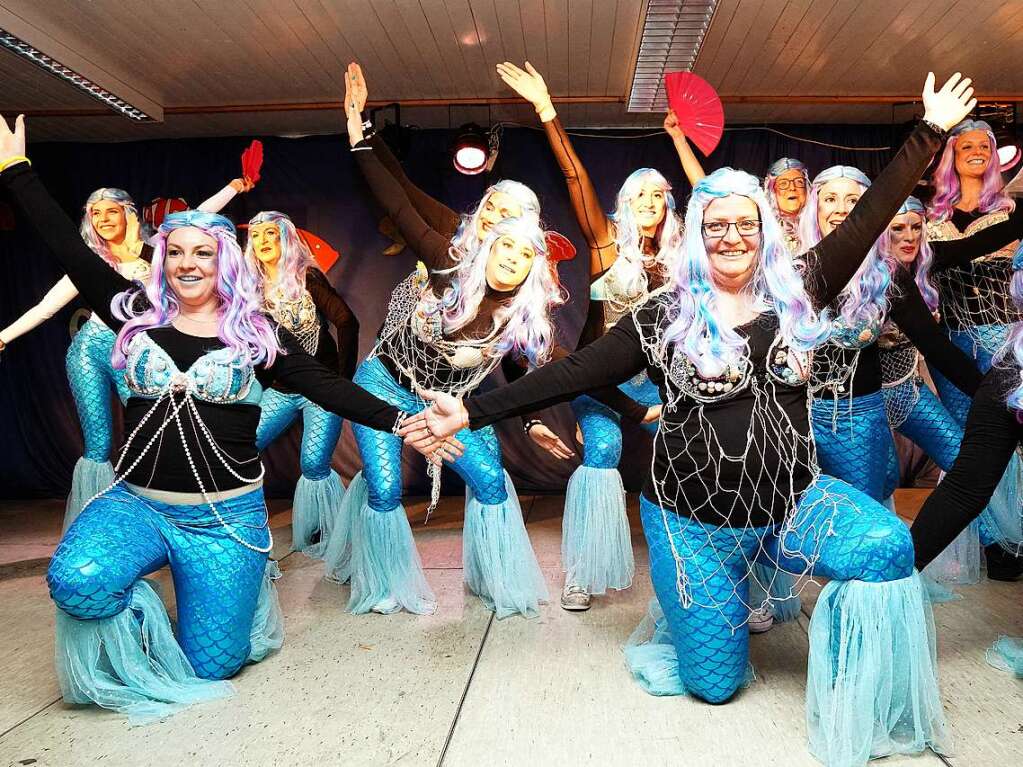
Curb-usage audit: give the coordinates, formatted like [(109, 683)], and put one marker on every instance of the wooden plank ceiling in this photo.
[(226, 67)]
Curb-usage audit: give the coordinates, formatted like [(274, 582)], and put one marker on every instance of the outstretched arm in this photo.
[(690, 164), (992, 434), (59, 296), (834, 261), (219, 201), (948, 253), (97, 282), (595, 225)]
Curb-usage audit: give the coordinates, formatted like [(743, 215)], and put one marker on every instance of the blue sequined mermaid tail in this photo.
[(94, 579), (384, 565), (91, 377), (853, 441), (319, 492), (596, 544)]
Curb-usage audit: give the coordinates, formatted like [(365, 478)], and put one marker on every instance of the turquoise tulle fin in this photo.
[(385, 563), (596, 544), (937, 592), (499, 563), (1006, 654), (652, 659), (872, 687), (959, 563), (1002, 520), (775, 588), (337, 554), (267, 633), (130, 663), (317, 503), (89, 479)]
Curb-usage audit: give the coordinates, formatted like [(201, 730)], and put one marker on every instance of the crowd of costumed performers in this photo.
[(768, 337)]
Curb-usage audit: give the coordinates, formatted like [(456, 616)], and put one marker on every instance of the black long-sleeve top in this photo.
[(754, 491), (233, 425), (428, 226), (993, 432), (975, 290), (908, 310)]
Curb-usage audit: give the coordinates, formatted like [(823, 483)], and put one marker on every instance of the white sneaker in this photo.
[(386, 606), (575, 598), (760, 620)]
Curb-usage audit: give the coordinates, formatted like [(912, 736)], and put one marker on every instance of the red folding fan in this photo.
[(252, 161), (559, 247), (698, 108)]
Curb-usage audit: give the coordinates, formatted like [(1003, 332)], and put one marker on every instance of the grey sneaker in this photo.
[(575, 598), (760, 620)]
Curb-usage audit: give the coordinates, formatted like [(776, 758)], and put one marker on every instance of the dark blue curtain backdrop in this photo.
[(314, 180)]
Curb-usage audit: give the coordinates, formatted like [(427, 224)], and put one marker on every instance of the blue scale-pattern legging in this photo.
[(854, 441), (319, 493), (929, 424), (991, 338), (92, 377), (121, 537), (497, 554)]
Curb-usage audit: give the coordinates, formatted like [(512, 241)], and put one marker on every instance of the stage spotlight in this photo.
[(471, 150), (1009, 153)]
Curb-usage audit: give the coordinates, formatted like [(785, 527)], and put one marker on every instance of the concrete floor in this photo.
[(460, 688)]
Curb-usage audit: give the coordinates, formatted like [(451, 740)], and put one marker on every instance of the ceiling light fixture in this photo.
[(54, 67), (673, 33)]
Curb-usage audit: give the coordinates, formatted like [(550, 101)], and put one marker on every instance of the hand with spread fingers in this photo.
[(529, 84), (12, 143), (947, 107)]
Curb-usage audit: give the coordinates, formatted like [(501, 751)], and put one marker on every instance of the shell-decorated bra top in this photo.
[(151, 373), (942, 231), (858, 336), (617, 300)]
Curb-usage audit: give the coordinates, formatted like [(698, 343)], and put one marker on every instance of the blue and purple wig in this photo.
[(96, 243), (524, 324), (775, 285), (243, 328), (296, 258), (771, 179), (465, 239), (947, 191), (864, 300), (921, 266)]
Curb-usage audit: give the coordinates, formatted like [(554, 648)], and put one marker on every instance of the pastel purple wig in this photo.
[(947, 190), (921, 266), (96, 243), (295, 258)]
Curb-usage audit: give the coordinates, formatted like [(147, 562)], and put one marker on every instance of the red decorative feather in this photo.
[(698, 108), (252, 161)]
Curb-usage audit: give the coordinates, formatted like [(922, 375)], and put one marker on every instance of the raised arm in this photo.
[(962, 251), (836, 258), (911, 314), (594, 223), (91, 275), (219, 201), (339, 314), (992, 434), (690, 164), (59, 296)]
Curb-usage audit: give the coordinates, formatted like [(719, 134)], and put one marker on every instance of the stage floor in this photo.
[(461, 688)]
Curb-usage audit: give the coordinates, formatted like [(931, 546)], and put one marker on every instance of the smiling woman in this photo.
[(197, 352)]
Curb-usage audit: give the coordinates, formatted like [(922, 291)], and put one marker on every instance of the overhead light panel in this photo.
[(54, 67), (673, 34)]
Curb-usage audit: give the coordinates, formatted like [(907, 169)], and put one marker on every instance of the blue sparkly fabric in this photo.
[(851, 537), (933, 429), (319, 494), (991, 339), (854, 441), (120, 537), (481, 467), (91, 376)]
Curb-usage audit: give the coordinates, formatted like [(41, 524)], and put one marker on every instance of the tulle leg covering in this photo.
[(872, 685), (1006, 654), (91, 376), (319, 493), (497, 556), (337, 555), (854, 445), (114, 643), (596, 544), (267, 634), (384, 561), (700, 646)]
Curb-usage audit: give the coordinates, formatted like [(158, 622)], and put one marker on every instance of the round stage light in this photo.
[(471, 150)]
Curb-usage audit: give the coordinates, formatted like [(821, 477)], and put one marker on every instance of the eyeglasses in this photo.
[(715, 230), (785, 184)]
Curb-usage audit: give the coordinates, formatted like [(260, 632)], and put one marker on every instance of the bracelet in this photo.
[(942, 133), (531, 423), (13, 161)]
